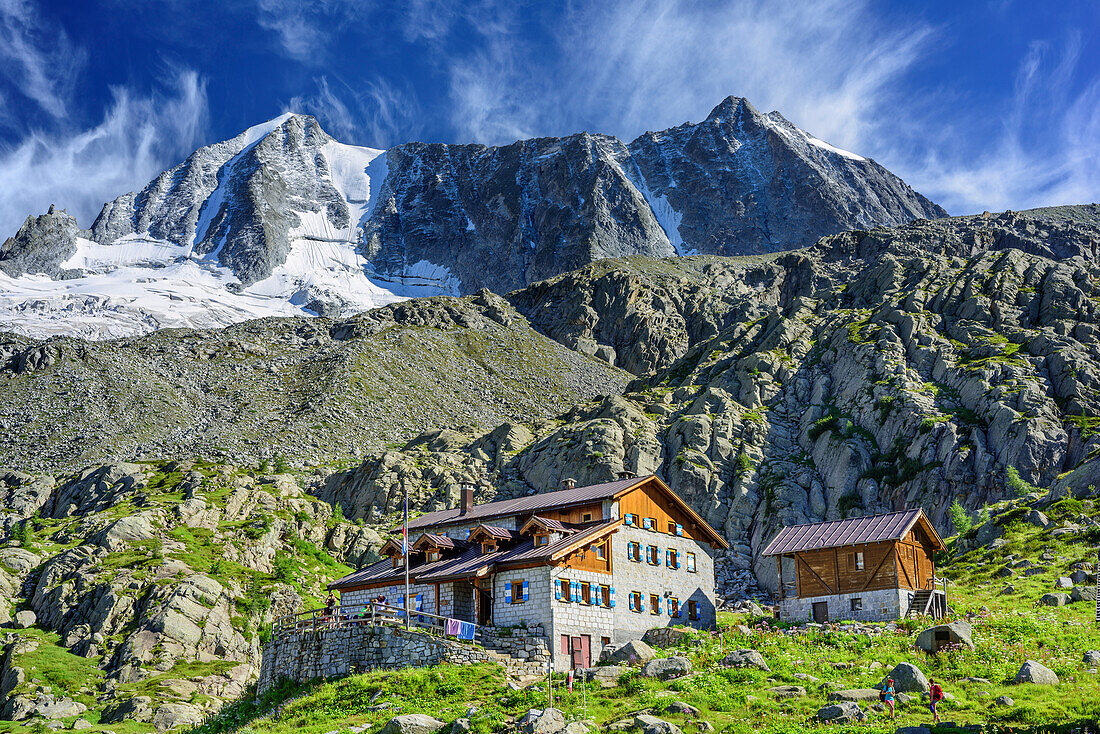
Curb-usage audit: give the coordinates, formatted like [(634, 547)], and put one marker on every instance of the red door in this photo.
[(580, 649)]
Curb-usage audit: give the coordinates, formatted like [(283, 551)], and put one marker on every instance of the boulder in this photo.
[(908, 678), (855, 694), (606, 675), (1092, 657), (634, 652), (173, 715), (417, 724), (1033, 672), (1080, 577), (679, 707), (80, 724), (1003, 701), (784, 692), (913, 730), (575, 727), (1037, 519), (648, 724), (745, 658), (25, 619), (667, 668), (461, 726), (137, 708), (955, 633), (1057, 599), (665, 636), (1083, 593), (843, 712), (1063, 582), (535, 721)]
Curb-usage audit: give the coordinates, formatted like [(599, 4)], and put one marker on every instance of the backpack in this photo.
[(936, 693)]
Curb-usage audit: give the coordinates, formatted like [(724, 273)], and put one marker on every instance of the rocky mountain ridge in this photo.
[(283, 219)]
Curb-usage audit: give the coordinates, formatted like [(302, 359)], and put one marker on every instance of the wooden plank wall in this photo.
[(832, 570), (590, 562), (648, 500), (915, 566), (568, 514)]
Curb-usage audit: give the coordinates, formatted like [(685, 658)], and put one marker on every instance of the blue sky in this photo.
[(979, 105)]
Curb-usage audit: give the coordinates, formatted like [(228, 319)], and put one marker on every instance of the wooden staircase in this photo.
[(929, 602)]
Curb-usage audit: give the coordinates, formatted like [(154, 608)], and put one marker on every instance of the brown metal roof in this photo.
[(532, 503), (494, 532), (439, 541), (837, 533), (556, 525)]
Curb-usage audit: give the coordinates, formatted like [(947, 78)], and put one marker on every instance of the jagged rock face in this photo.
[(864, 375), (40, 245), (504, 217), (742, 182)]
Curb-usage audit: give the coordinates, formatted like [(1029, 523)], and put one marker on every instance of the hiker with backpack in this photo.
[(935, 695), (886, 695)]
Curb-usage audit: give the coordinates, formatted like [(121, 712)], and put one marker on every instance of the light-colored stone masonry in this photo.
[(882, 605), (336, 653)]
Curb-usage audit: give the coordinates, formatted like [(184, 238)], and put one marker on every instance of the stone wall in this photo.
[(536, 610), (346, 651), (882, 605), (575, 618)]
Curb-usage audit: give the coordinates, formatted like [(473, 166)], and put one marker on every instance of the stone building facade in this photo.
[(590, 565)]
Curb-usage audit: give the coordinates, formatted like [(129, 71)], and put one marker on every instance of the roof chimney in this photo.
[(569, 483), (466, 502)]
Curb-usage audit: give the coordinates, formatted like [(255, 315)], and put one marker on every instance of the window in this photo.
[(671, 528), (651, 555), (433, 555), (857, 604), (488, 547), (654, 604), (672, 558), (542, 539), (635, 601), (855, 561), (634, 551), (631, 519), (587, 517), (673, 607), (515, 591), (690, 562), (604, 642), (693, 609), (649, 523), (598, 549), (565, 590), (586, 592), (605, 596)]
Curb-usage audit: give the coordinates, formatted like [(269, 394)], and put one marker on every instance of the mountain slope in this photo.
[(283, 220)]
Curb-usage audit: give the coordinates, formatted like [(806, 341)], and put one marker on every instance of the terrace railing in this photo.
[(373, 613)]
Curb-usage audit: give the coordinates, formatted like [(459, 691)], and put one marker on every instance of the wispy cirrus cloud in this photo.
[(136, 139), (304, 28), (625, 67), (1043, 151), (377, 114), (38, 60)]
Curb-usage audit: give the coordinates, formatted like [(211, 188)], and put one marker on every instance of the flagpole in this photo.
[(405, 537)]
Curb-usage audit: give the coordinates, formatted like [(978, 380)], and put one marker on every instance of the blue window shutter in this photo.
[(629, 520), (611, 594), (507, 592), (576, 593), (525, 590), (557, 590), (668, 557), (679, 529)]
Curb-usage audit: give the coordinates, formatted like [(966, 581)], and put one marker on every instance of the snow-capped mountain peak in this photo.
[(282, 219)]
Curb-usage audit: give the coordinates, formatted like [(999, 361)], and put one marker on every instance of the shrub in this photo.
[(22, 534), (1017, 484), (959, 518), (285, 568)]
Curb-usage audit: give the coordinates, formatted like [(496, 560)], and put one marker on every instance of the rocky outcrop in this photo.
[(41, 245)]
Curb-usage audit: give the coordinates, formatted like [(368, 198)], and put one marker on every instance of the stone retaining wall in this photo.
[(340, 652)]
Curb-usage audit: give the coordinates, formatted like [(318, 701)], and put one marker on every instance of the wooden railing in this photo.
[(361, 615)]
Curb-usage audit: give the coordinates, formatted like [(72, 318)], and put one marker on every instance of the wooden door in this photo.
[(821, 611), (580, 652), (484, 607)]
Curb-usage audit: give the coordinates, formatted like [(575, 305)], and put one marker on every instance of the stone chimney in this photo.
[(466, 502), (569, 483)]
